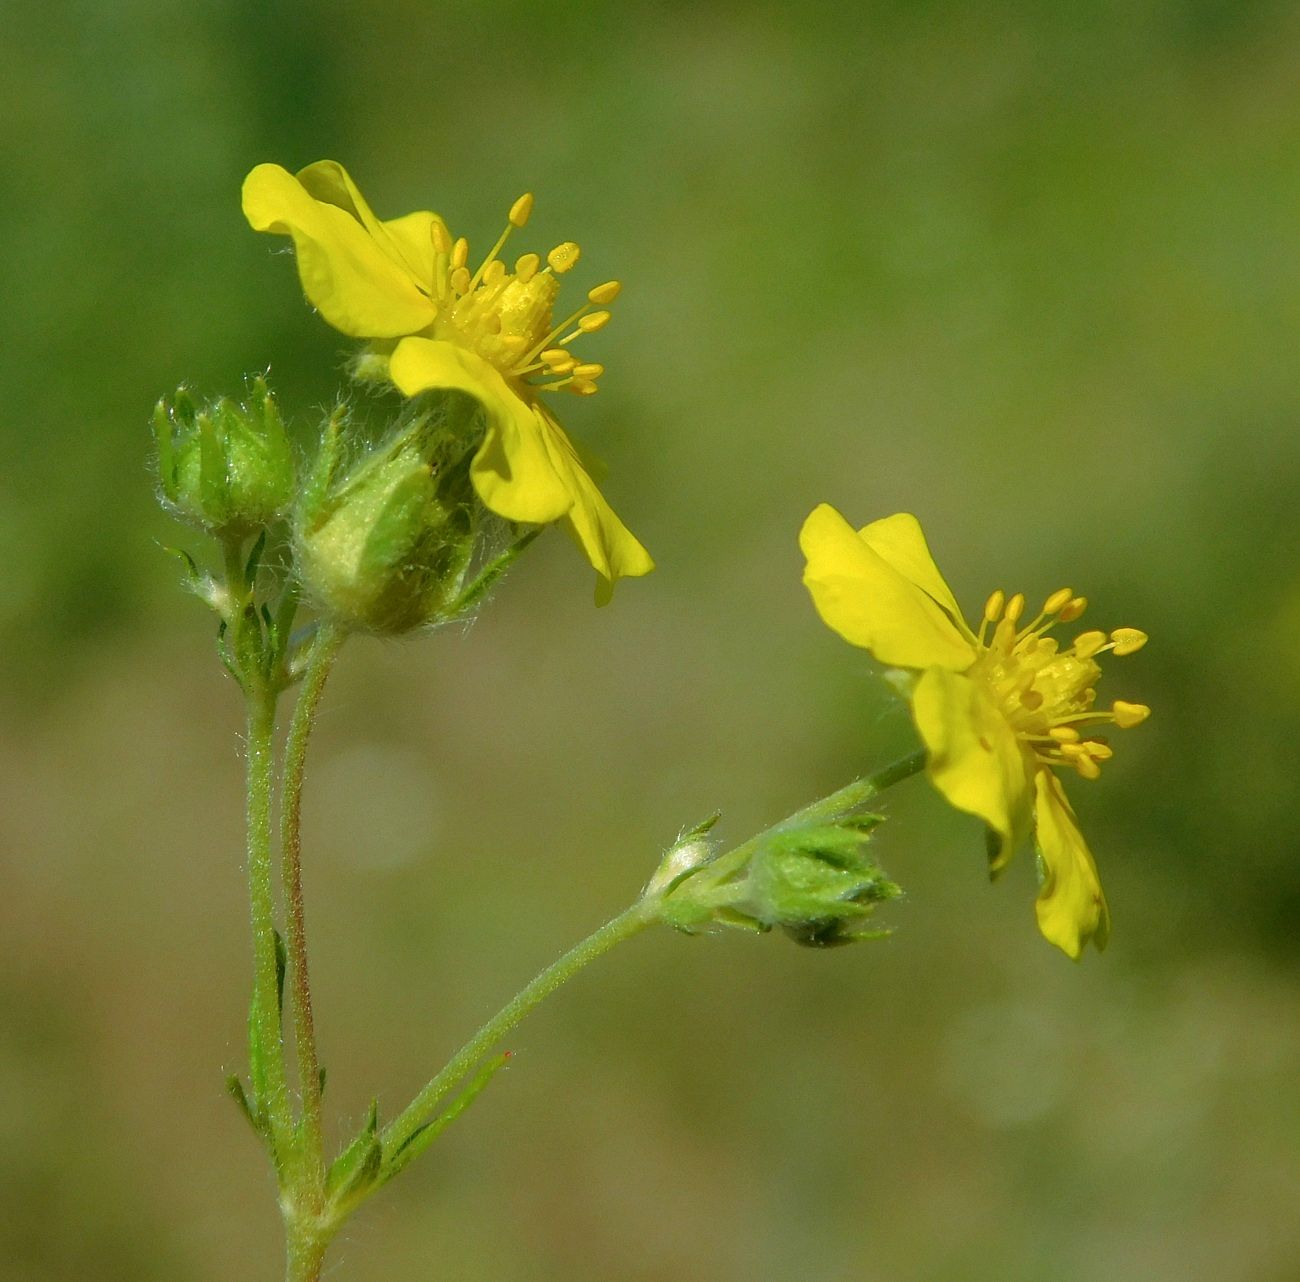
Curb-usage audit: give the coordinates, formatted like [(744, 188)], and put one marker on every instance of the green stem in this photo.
[(855, 795), (324, 650), (422, 1107), (269, 1051), (642, 914), (306, 1255), (844, 801)]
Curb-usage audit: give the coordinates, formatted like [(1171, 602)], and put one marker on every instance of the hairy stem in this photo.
[(324, 650), (269, 1052)]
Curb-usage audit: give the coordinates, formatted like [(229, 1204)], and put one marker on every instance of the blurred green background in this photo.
[(1030, 270)]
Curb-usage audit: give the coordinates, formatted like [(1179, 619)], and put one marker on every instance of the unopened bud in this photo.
[(384, 546), (226, 467)]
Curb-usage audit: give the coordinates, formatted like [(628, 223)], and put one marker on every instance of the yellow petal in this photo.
[(412, 237), (512, 470), (610, 546), (898, 539), (975, 759), (1071, 907), (355, 285), (869, 603), (406, 240)]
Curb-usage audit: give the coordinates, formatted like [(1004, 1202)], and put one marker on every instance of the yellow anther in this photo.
[(1073, 609), (526, 268), (521, 209), (597, 320), (441, 237), (1032, 699), (513, 344), (1073, 750), (566, 366), (993, 606), (604, 294), (555, 355), (1128, 715), (1016, 607), (1058, 601), (1064, 734), (1086, 644), (459, 253), (1087, 767), (494, 273), (1099, 751), (563, 257), (1128, 640), (588, 371), (583, 387), (460, 279)]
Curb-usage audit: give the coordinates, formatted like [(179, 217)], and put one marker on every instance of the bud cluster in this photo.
[(379, 535)]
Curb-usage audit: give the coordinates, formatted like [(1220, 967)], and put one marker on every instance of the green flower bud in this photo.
[(226, 468), (817, 884), (383, 545)]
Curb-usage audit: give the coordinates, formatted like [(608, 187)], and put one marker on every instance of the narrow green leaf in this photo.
[(488, 575), (235, 1089), (281, 964), (255, 559), (348, 1162), (423, 1136)]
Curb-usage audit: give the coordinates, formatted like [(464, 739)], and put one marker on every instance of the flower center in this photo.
[(506, 317), (1047, 694)]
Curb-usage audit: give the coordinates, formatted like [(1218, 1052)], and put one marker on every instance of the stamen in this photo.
[(495, 273), (526, 268), (605, 294), (583, 387), (521, 209), (460, 280), (1074, 609), (1058, 601), (993, 606), (554, 355), (459, 253), (588, 371), (563, 257), (1086, 644), (1128, 715), (1015, 607), (598, 320), (1087, 767), (1064, 734), (1128, 640)]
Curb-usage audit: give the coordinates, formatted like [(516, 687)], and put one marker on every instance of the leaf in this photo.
[(420, 1139), (235, 1089), (345, 1167), (488, 575), (281, 964)]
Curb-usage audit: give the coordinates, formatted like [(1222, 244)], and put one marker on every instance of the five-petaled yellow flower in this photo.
[(487, 332), (999, 710)]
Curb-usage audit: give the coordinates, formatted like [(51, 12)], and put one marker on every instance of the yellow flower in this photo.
[(489, 333), (999, 710)]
